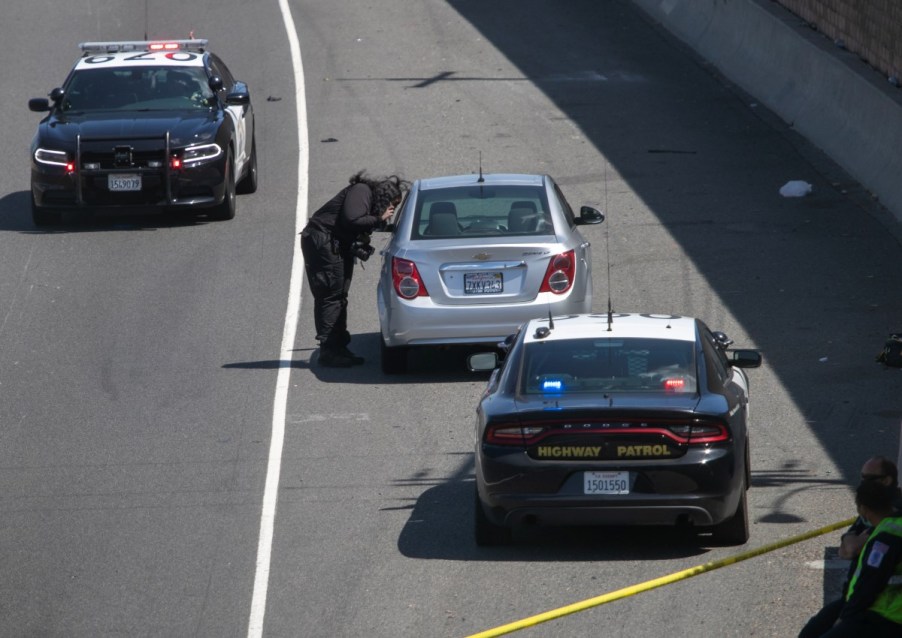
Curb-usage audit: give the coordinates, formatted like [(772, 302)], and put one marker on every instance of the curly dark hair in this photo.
[(386, 190)]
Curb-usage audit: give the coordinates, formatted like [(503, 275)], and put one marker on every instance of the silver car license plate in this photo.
[(483, 283), (120, 183)]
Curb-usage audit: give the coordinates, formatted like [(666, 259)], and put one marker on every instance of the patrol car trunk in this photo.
[(627, 428)]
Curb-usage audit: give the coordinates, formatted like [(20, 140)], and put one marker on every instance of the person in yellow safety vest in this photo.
[(873, 605), (880, 470)]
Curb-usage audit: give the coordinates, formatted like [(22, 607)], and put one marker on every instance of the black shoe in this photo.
[(334, 359), (355, 360)]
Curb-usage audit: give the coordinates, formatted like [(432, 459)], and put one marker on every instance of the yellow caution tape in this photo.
[(657, 582)]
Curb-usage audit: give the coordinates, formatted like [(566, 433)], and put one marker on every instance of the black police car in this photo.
[(620, 419), (142, 126)]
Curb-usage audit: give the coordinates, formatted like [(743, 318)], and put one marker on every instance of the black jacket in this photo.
[(346, 215)]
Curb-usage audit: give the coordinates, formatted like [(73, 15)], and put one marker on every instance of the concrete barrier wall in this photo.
[(871, 30), (828, 95)]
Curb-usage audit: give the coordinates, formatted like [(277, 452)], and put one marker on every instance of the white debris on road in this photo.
[(795, 188)]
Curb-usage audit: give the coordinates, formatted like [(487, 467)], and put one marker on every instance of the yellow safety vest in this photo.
[(889, 602)]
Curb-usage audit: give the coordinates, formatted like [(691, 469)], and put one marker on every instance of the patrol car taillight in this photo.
[(695, 433), (560, 273), (507, 434), (680, 433), (70, 167), (406, 279), (175, 163)]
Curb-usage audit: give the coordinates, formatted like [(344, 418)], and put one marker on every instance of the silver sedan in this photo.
[(472, 257)]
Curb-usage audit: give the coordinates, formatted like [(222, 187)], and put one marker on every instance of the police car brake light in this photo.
[(708, 433), (512, 434), (696, 433)]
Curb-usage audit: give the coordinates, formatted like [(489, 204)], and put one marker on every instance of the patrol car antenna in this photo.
[(481, 178), (550, 320), (607, 247), (145, 20)]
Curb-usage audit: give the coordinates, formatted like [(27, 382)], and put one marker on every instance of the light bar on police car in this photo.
[(143, 45)]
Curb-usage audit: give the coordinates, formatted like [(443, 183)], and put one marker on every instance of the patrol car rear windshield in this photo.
[(656, 366), (146, 88), (482, 211)]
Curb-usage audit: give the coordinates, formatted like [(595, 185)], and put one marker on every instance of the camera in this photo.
[(361, 247)]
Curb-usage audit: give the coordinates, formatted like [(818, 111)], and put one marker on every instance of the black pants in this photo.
[(329, 275), (823, 621), (868, 625)]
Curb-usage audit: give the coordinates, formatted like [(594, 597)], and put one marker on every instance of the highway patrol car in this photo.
[(614, 419), (142, 126)]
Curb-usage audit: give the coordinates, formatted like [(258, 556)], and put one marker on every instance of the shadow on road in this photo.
[(15, 216), (440, 526), (425, 365)]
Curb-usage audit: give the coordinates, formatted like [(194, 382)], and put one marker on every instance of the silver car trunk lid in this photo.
[(477, 271)]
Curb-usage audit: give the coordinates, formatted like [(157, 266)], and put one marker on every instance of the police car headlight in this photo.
[(201, 153), (51, 157)]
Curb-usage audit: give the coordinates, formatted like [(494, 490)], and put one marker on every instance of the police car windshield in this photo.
[(145, 88), (659, 366)]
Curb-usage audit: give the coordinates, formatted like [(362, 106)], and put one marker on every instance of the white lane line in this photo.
[(274, 464)]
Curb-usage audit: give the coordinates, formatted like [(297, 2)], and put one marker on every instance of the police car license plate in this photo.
[(606, 482), (124, 182), (483, 283)]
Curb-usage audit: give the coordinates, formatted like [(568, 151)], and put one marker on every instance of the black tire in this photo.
[(487, 533), (734, 530), (394, 360), (248, 185), (226, 210), (41, 216)]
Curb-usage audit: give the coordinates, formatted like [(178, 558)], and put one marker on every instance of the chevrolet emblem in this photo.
[(481, 256)]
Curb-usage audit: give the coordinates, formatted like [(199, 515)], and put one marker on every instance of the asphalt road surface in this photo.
[(139, 357)]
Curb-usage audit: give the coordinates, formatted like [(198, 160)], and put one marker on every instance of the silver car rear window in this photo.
[(635, 365), (482, 211)]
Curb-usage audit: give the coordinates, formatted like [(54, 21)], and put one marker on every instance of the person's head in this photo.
[(880, 469), (874, 500), (387, 191)]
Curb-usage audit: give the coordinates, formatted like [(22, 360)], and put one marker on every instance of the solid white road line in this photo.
[(274, 464)]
